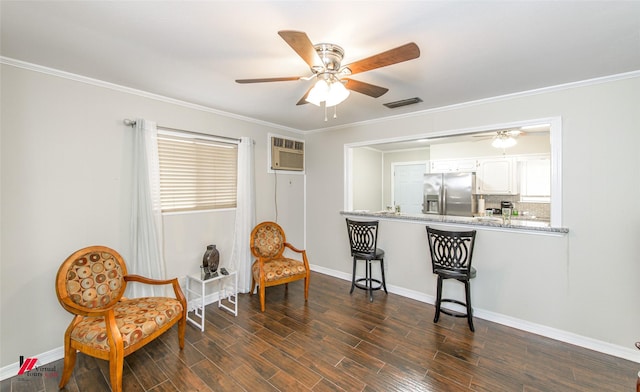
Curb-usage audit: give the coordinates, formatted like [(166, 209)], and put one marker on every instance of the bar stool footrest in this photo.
[(453, 313), (364, 286)]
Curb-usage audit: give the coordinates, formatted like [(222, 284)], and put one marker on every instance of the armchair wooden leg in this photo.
[(69, 353), (116, 361), (262, 295), (253, 286), (182, 328), (69, 363), (306, 287)]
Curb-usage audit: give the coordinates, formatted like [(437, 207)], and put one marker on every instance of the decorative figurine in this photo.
[(211, 259)]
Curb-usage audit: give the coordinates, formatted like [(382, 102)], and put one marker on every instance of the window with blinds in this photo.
[(196, 173)]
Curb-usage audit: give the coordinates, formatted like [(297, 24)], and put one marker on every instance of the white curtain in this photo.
[(146, 216), (245, 215)]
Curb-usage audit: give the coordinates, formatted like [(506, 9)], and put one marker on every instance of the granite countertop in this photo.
[(487, 221)]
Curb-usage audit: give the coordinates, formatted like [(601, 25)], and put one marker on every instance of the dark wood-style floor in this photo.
[(338, 341)]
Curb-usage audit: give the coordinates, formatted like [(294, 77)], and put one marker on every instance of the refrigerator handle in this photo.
[(443, 197)]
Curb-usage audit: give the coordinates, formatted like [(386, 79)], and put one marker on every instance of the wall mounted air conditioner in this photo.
[(287, 154)]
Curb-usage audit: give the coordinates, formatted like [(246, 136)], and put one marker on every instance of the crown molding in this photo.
[(100, 83), (128, 90), (483, 101)]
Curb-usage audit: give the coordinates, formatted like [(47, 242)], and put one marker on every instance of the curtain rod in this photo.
[(131, 123)]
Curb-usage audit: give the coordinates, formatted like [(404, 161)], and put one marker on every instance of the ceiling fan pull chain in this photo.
[(325, 111), (335, 111)]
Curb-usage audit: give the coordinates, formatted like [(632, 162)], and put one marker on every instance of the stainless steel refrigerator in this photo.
[(449, 194)]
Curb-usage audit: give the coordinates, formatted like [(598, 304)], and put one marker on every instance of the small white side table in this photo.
[(196, 295)]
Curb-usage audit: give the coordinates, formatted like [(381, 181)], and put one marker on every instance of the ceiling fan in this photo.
[(324, 59), (503, 138), (514, 132)]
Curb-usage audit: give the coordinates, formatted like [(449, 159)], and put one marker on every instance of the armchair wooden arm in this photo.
[(300, 251), (158, 282), (293, 248)]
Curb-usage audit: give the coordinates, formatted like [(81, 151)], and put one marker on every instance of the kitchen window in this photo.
[(196, 172)]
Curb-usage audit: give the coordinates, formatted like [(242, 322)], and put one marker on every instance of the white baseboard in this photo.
[(552, 333), (630, 354)]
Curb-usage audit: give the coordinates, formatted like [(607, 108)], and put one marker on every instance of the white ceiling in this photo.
[(194, 51)]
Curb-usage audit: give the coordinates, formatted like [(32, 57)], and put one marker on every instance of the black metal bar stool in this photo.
[(363, 238), (451, 253)]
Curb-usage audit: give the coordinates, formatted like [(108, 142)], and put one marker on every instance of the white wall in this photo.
[(583, 284), (65, 159), (367, 183), (65, 184)]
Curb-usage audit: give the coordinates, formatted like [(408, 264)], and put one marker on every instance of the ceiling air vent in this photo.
[(403, 102)]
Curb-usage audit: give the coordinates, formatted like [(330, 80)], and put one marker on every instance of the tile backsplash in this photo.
[(539, 210)]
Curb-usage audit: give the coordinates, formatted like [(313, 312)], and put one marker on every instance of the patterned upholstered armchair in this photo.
[(271, 268), (90, 284)]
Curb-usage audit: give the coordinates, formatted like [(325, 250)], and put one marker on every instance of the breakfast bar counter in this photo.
[(481, 222)]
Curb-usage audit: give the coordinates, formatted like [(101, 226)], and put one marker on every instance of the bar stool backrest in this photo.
[(363, 238), (451, 251)]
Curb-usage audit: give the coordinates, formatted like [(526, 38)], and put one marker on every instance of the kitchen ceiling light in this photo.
[(503, 140)]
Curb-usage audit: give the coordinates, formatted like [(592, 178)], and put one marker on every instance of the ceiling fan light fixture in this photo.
[(337, 94), (502, 140), (318, 93), (331, 92)]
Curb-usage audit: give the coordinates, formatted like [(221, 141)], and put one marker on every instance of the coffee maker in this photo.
[(506, 204)]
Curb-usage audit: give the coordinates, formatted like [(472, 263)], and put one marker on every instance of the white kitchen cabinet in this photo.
[(453, 165), (535, 178), (496, 176)]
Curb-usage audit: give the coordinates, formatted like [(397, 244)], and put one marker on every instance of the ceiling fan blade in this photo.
[(283, 79), (402, 53), (365, 88), (302, 45)]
